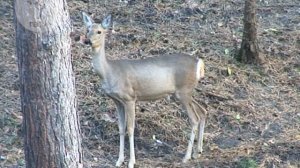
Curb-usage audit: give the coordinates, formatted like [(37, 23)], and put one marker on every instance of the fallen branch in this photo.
[(218, 96)]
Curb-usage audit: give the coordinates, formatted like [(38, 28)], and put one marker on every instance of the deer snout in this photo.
[(84, 40), (87, 41)]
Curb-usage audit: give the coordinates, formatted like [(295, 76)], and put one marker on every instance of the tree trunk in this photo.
[(249, 52), (43, 48)]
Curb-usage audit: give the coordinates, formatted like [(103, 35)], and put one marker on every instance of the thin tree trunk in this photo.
[(50, 121), (249, 52)]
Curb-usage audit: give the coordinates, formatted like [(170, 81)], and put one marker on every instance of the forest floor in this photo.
[(254, 111)]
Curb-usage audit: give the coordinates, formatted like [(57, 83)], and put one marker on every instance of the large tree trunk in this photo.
[(50, 121), (249, 52)]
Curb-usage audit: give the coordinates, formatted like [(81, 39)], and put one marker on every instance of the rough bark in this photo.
[(50, 121), (249, 51)]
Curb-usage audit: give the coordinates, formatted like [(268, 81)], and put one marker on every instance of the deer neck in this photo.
[(99, 61)]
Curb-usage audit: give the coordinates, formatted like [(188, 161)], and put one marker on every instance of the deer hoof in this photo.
[(131, 164), (186, 159), (119, 162), (196, 155), (200, 150)]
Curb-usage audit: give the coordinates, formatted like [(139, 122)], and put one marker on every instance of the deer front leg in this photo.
[(122, 127), (130, 112)]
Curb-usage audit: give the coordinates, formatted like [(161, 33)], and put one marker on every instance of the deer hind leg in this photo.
[(122, 128), (186, 101), (130, 112), (202, 115)]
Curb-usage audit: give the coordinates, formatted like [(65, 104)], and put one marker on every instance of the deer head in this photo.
[(95, 35)]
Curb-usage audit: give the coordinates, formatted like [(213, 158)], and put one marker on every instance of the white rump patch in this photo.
[(200, 63)]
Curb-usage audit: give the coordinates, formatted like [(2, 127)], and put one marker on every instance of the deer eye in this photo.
[(99, 32)]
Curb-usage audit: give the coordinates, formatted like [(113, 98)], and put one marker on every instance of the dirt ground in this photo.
[(254, 112)]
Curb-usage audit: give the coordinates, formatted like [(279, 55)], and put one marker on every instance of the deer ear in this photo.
[(106, 22), (87, 20)]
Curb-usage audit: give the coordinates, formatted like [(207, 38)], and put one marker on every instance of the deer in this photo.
[(127, 81)]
